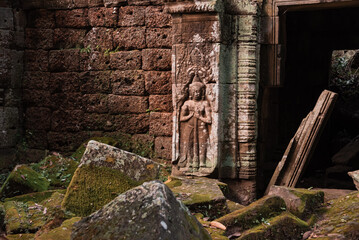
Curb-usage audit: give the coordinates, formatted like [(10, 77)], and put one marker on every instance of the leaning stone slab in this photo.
[(301, 202), (283, 227), (149, 211), (104, 173), (200, 195), (252, 215), (23, 180), (355, 176)]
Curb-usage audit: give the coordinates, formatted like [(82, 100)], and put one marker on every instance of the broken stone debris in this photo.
[(105, 172), (302, 145), (355, 176), (149, 211)]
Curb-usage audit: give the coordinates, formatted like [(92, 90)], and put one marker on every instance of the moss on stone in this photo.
[(311, 201), (57, 169), (253, 214), (92, 187), (21, 236), (2, 216), (233, 206), (63, 232), (23, 180), (282, 227), (36, 197), (175, 182)]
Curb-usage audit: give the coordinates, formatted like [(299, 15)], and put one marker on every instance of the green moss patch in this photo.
[(63, 232), (283, 227), (92, 187), (21, 236), (57, 169), (253, 214), (311, 201), (23, 180), (36, 197)]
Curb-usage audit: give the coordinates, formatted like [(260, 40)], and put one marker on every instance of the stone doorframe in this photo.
[(272, 33)]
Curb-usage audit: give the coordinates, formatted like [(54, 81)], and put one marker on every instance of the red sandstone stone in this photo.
[(36, 60), (157, 17), (103, 17), (67, 81), (81, 3), (129, 38), (58, 4), (41, 18), (158, 37), (132, 123), (163, 147), (39, 38), (76, 18), (40, 98), (128, 83), (95, 103), (114, 3), (36, 139), (95, 82), (95, 3), (131, 16), (160, 103), (69, 101), (36, 80), (64, 60), (99, 38), (67, 120), (96, 122), (94, 61), (158, 82), (127, 104), (38, 118), (66, 141), (156, 59), (160, 124), (69, 38), (126, 60)]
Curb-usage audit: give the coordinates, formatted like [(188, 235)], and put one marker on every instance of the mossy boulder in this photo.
[(301, 202), (341, 219), (200, 195), (58, 170), (282, 227), (21, 236), (253, 214), (36, 197), (62, 232), (104, 173), (149, 211), (23, 180)]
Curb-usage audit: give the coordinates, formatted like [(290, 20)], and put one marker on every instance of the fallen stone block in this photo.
[(62, 232), (104, 173), (301, 202), (349, 154), (23, 180), (149, 211), (355, 176), (253, 214), (21, 236), (283, 227), (200, 195)]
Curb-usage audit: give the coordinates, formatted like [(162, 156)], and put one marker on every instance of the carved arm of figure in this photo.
[(205, 114), (185, 114)]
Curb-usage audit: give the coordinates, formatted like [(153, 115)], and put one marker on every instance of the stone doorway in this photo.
[(304, 37)]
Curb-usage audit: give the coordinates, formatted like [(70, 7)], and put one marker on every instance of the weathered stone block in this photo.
[(114, 3), (36, 139), (156, 59), (132, 123), (95, 82), (131, 16), (69, 120), (158, 38), (128, 83), (33, 4), (160, 124), (157, 17), (69, 38), (37, 80), (129, 38), (64, 60), (108, 171), (82, 3), (95, 3), (163, 147), (41, 18), (9, 118), (59, 4), (36, 60), (67, 82), (94, 60), (160, 103), (98, 122), (76, 18), (66, 141), (63, 231), (39, 98), (7, 37), (38, 118), (99, 38), (7, 18), (158, 82), (129, 60), (127, 104), (152, 206), (95, 103), (103, 17)]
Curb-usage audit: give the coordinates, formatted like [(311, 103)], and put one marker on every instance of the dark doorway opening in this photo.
[(310, 38)]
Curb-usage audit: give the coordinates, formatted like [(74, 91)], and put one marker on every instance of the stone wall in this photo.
[(11, 68), (97, 67)]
